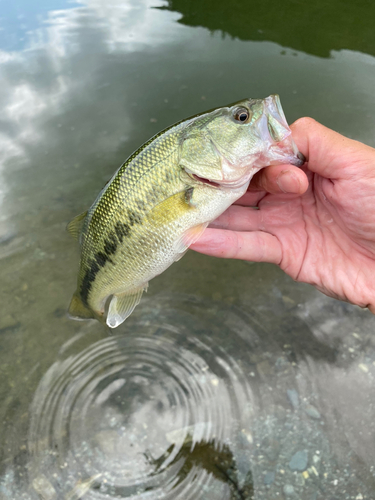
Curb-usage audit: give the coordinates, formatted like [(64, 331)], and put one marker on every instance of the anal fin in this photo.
[(122, 305)]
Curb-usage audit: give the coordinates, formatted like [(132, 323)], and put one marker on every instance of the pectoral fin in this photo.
[(188, 238), (172, 207), (123, 305)]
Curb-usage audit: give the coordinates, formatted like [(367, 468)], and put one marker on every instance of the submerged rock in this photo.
[(299, 461), (293, 398)]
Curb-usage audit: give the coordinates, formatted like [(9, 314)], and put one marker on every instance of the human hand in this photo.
[(317, 223)]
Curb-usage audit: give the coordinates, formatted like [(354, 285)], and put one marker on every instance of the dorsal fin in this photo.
[(75, 226)]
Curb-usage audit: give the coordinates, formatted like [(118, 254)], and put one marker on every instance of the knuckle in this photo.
[(305, 122), (236, 245), (261, 249)]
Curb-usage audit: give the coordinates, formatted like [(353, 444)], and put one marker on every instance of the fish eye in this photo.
[(241, 115)]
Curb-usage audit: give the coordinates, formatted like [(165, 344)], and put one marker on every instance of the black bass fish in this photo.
[(162, 198)]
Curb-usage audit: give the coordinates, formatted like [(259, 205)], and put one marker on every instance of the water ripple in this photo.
[(156, 412)]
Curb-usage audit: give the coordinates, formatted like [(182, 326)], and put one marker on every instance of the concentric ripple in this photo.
[(155, 412)]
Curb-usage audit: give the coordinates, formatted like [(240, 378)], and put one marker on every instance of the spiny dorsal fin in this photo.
[(75, 226)]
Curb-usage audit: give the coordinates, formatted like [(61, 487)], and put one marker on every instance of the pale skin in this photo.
[(317, 223)]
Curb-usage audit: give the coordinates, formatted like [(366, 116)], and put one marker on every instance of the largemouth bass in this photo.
[(162, 198)]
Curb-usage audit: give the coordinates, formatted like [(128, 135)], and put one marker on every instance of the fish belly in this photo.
[(163, 237)]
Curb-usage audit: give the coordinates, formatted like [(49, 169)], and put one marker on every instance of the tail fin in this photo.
[(78, 310)]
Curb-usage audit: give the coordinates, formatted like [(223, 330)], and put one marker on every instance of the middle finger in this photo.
[(237, 218)]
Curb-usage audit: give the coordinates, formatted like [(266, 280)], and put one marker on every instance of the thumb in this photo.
[(331, 154)]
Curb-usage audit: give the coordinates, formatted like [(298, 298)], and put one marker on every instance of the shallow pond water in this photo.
[(229, 381)]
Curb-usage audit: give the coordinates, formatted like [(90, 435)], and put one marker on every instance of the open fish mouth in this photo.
[(274, 130), (279, 155)]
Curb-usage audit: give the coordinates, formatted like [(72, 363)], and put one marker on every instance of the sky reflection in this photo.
[(21, 19)]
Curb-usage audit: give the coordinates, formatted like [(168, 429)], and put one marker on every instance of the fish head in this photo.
[(240, 139)]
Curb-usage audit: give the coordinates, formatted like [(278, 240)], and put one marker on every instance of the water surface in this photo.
[(229, 381)]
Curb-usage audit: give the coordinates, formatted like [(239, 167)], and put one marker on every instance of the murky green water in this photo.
[(229, 381)]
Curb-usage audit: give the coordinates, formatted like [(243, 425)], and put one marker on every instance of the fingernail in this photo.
[(288, 182)]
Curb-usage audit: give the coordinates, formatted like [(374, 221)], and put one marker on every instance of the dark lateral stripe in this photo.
[(114, 238), (99, 261), (134, 218), (110, 245), (88, 279), (122, 230)]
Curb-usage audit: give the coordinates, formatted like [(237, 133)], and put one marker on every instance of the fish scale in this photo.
[(162, 198), (135, 181)]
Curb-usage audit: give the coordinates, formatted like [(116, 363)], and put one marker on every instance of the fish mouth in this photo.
[(285, 153), (273, 130)]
